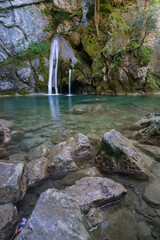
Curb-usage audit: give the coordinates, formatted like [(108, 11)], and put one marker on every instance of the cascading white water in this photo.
[(69, 83), (53, 65)]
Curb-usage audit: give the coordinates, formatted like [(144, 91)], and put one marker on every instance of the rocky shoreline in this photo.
[(76, 204)]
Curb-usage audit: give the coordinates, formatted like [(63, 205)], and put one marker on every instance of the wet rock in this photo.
[(5, 136), (95, 191), (38, 152), (67, 5), (152, 193), (116, 154), (83, 149), (17, 136), (94, 217), (36, 171), (61, 161), (63, 155), (152, 151), (3, 153), (94, 138), (122, 225), (8, 220), (12, 149), (71, 178), (29, 143), (144, 230), (20, 157), (148, 130), (12, 182), (55, 216), (62, 136), (6, 124)]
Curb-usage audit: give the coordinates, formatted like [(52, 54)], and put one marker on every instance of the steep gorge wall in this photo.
[(108, 63)]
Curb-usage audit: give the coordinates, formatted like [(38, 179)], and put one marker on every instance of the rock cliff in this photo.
[(122, 58)]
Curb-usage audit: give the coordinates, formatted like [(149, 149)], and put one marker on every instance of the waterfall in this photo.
[(53, 65), (84, 5), (69, 83)]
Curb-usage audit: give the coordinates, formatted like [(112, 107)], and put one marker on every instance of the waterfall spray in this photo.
[(69, 83), (53, 65)]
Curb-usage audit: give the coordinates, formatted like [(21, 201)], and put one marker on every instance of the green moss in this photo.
[(3, 10), (105, 6), (48, 29), (144, 54), (59, 16), (76, 14), (22, 92), (46, 11)]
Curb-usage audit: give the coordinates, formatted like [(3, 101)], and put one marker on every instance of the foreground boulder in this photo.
[(38, 152), (116, 154), (12, 182), (64, 156), (55, 216), (95, 191), (36, 171), (148, 130), (8, 220)]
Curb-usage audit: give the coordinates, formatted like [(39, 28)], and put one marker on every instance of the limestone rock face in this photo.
[(12, 182), (55, 216), (67, 5), (21, 24), (148, 130), (36, 171), (95, 191), (117, 154), (8, 220)]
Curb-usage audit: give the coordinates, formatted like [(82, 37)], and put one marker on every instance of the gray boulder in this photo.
[(8, 220), (148, 129), (152, 151), (38, 152), (61, 161), (12, 182), (36, 171), (95, 191), (116, 154), (55, 216)]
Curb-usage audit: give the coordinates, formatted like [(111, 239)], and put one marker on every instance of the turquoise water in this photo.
[(42, 117), (48, 119)]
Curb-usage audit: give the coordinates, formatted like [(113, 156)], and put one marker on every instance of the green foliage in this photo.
[(46, 11), (116, 22), (76, 14), (3, 10), (144, 54), (48, 29), (59, 16), (105, 6)]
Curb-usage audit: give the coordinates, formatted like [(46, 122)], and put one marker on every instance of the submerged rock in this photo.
[(95, 192), (152, 193), (122, 225), (152, 151), (12, 182), (56, 216), (36, 171), (117, 154), (5, 136), (148, 130), (6, 124), (8, 220), (17, 136), (38, 152)]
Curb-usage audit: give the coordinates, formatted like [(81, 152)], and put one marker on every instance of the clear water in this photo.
[(43, 118)]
